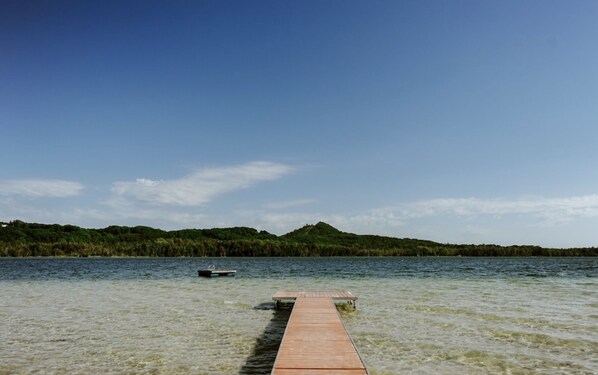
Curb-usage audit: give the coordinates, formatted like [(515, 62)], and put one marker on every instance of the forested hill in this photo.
[(18, 238), (19, 232), (322, 233)]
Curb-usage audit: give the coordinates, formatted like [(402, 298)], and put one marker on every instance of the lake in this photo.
[(414, 315)]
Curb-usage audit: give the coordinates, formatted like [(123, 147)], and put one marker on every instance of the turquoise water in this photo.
[(414, 315)]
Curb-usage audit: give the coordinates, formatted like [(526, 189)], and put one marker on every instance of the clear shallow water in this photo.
[(414, 315)]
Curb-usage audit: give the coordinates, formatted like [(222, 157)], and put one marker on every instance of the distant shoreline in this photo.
[(20, 239), (298, 257)]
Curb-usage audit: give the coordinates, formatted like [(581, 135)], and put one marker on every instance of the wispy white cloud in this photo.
[(460, 219), (563, 208), (136, 215), (201, 186), (37, 188)]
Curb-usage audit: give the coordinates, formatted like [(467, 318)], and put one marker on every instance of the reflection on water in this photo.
[(414, 315), (262, 357)]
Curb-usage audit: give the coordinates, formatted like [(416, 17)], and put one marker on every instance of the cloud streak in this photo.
[(201, 186), (439, 214), (38, 188), (576, 206)]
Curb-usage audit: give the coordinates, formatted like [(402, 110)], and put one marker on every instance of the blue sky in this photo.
[(454, 121)]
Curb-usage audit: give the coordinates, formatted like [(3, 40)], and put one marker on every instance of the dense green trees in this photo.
[(19, 239)]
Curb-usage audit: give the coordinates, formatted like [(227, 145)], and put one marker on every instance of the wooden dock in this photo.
[(315, 340), (335, 295), (212, 273)]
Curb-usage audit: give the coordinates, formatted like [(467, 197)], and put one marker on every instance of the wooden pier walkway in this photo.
[(315, 340)]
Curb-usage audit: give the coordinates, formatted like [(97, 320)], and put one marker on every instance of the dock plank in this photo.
[(315, 339), (334, 294)]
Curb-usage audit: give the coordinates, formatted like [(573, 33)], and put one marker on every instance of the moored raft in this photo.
[(216, 273)]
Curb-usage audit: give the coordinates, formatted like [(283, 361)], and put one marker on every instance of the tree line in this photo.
[(20, 239)]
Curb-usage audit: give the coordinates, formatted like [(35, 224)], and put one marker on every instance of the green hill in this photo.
[(322, 233)]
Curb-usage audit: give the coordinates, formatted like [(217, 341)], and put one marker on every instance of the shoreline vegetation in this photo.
[(20, 239)]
